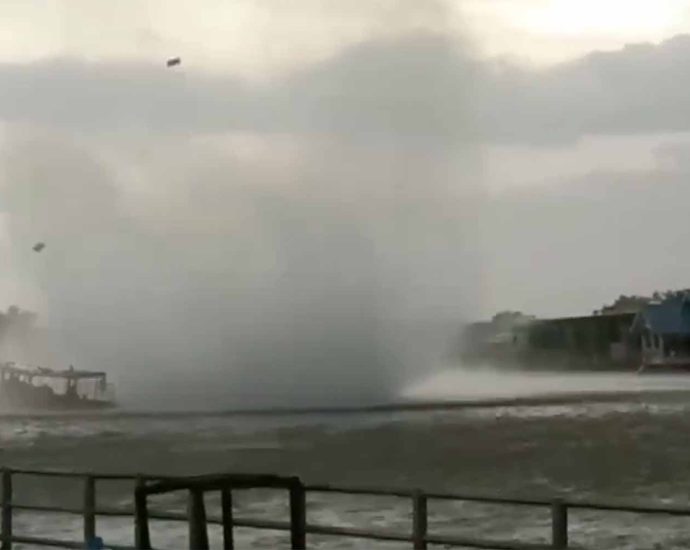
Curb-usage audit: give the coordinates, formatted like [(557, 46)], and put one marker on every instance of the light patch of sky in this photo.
[(617, 17), (543, 32)]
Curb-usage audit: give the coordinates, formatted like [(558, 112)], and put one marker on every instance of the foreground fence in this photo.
[(417, 537)]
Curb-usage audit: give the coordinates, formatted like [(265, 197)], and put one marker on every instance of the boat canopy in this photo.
[(69, 374)]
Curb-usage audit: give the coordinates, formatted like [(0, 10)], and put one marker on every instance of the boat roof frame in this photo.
[(49, 373)]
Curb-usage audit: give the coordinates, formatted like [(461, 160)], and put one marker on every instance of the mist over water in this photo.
[(487, 382), (224, 268)]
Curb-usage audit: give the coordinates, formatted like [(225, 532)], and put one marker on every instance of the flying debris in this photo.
[(173, 61), (39, 246)]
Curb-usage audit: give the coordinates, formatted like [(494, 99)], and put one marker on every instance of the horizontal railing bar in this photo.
[(54, 509), (658, 510), (582, 505), (372, 491), (486, 544), (357, 533), (270, 524), (280, 526), (215, 520), (252, 523), (61, 543), (313, 529), (115, 512), (631, 508), (489, 499), (64, 473), (375, 491), (218, 481)]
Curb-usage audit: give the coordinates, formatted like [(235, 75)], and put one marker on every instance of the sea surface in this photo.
[(634, 448)]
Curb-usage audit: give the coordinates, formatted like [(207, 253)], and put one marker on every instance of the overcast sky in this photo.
[(262, 37), (543, 146)]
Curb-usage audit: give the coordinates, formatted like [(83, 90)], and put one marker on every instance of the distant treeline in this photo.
[(634, 302)]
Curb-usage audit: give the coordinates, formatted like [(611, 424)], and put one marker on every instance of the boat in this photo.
[(38, 388)]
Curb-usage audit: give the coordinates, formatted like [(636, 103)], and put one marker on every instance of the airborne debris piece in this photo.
[(39, 246), (173, 61)]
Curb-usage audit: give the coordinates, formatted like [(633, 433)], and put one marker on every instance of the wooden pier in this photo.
[(144, 486)]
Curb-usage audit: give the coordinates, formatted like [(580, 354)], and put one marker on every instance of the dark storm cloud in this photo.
[(417, 85)]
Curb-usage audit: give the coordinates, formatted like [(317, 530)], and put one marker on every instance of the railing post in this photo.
[(559, 524), (419, 520), (226, 510), (142, 538), (6, 524), (298, 515), (196, 516), (89, 509)]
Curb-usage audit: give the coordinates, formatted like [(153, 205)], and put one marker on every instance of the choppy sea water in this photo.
[(635, 449)]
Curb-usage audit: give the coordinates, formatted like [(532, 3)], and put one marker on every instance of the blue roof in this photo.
[(669, 317)]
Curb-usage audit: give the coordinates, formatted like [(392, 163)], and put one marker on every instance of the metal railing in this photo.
[(418, 536)]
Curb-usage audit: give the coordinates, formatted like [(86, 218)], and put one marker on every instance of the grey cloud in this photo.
[(93, 97), (639, 89), (575, 244), (416, 86), (421, 84)]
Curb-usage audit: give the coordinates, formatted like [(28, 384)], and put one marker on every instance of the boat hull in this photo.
[(34, 399)]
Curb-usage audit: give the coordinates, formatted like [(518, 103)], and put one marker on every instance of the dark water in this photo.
[(627, 450)]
